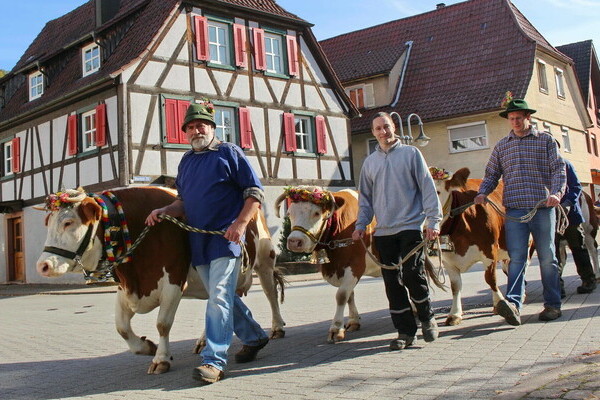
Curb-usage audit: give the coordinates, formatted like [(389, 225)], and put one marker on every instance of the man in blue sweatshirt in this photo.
[(397, 189)]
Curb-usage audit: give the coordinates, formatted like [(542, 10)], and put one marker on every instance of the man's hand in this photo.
[(431, 234), (552, 201), (358, 234), (235, 231), (153, 218), (480, 199)]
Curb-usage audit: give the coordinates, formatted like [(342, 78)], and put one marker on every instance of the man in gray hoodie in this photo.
[(397, 189)]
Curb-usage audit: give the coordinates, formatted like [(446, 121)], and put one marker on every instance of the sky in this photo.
[(559, 21)]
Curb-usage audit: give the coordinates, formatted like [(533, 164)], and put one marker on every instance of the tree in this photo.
[(284, 253), (3, 72)]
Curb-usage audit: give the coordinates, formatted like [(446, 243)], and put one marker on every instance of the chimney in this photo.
[(105, 10), (440, 5)]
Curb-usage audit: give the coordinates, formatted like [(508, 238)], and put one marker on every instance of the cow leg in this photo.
[(490, 278), (267, 275), (353, 318), (170, 298), (455, 315), (592, 249), (123, 315), (337, 332)]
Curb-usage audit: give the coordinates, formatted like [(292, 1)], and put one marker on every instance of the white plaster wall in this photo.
[(150, 74), (257, 118), (294, 96), (307, 168), (339, 132), (172, 38), (44, 136), (88, 172), (150, 163), (112, 111), (332, 101), (222, 78), (107, 171), (255, 165), (173, 159), (69, 176), (312, 64), (203, 83), (59, 128), (3, 252), (312, 98), (261, 93), (139, 111), (8, 192), (241, 88), (38, 184), (178, 78), (278, 87), (285, 169), (275, 122)]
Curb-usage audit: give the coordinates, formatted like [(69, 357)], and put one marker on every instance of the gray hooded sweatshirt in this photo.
[(397, 188)]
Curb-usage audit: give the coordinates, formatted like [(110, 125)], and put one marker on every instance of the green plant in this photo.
[(284, 254)]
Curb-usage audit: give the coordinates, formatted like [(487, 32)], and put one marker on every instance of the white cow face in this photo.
[(309, 216), (66, 231)]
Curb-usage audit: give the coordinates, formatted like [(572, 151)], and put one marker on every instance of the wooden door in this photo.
[(16, 262)]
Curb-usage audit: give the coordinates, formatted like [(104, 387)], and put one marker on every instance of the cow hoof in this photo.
[(453, 320), (278, 334), (159, 368), (200, 344), (352, 327), (148, 347), (335, 337)]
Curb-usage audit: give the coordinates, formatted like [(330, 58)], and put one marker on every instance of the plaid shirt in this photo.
[(530, 167)]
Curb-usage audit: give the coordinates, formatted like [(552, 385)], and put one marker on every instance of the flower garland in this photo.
[(58, 200), (316, 196), (508, 97), (439, 174), (206, 103)]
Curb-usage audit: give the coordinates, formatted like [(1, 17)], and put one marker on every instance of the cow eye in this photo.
[(317, 214), (67, 224)]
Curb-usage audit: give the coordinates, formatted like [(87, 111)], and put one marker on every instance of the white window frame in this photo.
[(566, 141), (542, 76), (305, 142), (560, 82), (7, 157), (88, 131), (367, 92), (471, 146), (90, 59), (224, 42), (274, 62), (221, 126), (547, 128), (36, 85)]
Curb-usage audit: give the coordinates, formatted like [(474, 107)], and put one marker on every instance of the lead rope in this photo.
[(562, 221)]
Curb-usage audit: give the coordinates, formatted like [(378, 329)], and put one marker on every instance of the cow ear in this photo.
[(460, 177), (339, 202), (89, 211)]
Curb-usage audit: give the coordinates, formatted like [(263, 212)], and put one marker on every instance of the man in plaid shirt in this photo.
[(534, 176)]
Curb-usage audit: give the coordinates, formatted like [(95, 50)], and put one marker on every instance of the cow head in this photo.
[(73, 217), (445, 183), (308, 210)]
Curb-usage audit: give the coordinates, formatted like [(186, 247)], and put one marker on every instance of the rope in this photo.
[(562, 221)]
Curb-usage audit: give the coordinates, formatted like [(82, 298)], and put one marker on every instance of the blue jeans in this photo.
[(542, 227), (225, 311)]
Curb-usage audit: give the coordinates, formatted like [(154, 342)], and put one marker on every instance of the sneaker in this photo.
[(509, 312), (430, 330), (587, 287), (550, 314), (403, 341), (248, 353), (207, 373)]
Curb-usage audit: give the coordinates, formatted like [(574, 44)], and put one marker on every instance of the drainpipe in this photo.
[(404, 67)]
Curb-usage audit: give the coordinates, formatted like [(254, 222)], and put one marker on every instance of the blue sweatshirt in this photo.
[(397, 188)]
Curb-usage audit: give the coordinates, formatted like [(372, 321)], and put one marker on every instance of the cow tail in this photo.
[(280, 281), (433, 275)]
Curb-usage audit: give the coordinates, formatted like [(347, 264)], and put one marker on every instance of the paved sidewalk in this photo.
[(59, 342)]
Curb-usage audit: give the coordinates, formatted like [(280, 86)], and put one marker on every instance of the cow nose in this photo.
[(294, 244), (44, 268)]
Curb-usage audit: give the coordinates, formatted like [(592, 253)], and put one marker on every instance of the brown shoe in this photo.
[(586, 287), (550, 314), (248, 353), (207, 373), (509, 312)]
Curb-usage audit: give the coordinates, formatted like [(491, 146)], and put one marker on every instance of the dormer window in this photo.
[(36, 85), (90, 59)]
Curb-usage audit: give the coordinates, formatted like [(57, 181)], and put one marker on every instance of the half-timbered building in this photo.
[(98, 98)]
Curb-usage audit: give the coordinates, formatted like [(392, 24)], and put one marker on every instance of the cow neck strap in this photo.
[(112, 252)]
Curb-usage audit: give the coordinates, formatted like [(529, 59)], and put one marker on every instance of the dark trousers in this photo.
[(392, 249), (575, 238)]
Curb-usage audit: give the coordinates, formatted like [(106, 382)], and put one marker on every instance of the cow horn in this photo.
[(332, 205), (278, 202), (39, 208), (75, 196)]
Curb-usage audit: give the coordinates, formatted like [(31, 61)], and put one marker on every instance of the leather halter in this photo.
[(75, 256)]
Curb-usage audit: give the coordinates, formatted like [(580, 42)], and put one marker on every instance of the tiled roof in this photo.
[(581, 53), (463, 59), (268, 6)]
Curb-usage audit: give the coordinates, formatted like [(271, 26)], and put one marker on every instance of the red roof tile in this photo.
[(463, 59)]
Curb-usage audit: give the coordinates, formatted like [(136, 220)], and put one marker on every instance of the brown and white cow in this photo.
[(590, 228), (475, 235), (160, 267), (324, 226)]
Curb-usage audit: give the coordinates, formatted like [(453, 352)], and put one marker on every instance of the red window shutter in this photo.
[(260, 62), (321, 134), (289, 127), (182, 106), (245, 129), (172, 121), (16, 155), (292, 48), (72, 135), (101, 125), (201, 26), (239, 39)]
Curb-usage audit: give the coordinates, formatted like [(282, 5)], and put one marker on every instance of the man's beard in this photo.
[(200, 143)]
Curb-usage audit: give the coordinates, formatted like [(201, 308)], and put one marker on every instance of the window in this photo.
[(219, 43), (467, 137), (362, 95), (90, 59), (566, 143), (225, 124), (36, 85), (594, 144), (274, 53), (357, 97), (547, 128), (542, 79), (88, 130), (305, 134), (560, 87), (11, 157), (8, 156), (174, 115)]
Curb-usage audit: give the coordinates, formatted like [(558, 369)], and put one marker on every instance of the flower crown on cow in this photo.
[(316, 196), (63, 199), (439, 173)]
